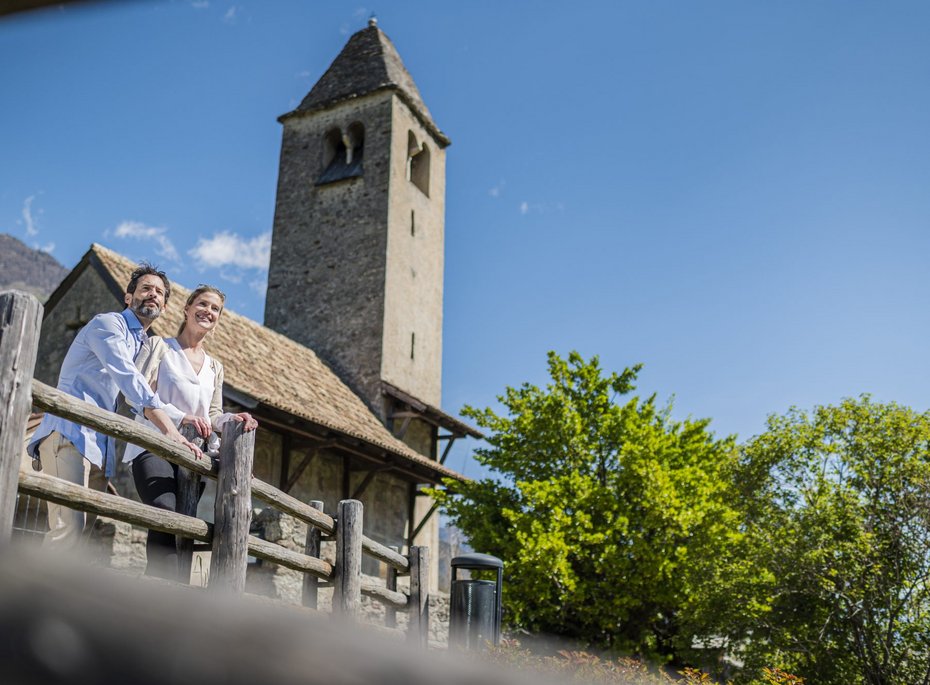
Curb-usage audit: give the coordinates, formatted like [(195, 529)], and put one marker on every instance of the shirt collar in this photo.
[(131, 319), (133, 322)]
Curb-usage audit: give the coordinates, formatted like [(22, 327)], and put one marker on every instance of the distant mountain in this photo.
[(23, 268)]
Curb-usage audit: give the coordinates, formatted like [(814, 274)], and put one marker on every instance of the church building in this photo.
[(344, 376)]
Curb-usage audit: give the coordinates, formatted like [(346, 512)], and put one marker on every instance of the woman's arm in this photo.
[(218, 417)]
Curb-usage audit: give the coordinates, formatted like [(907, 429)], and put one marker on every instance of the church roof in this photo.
[(275, 371), (368, 63)]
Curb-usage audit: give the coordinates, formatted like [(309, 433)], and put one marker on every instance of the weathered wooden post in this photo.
[(188, 497), (390, 613), (347, 593), (312, 548), (20, 323), (233, 510), (418, 611)]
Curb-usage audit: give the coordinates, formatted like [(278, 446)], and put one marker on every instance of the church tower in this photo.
[(356, 268)]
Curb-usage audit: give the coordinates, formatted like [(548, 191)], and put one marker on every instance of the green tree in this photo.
[(597, 508), (830, 579)]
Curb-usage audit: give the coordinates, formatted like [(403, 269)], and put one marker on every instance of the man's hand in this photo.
[(164, 424)]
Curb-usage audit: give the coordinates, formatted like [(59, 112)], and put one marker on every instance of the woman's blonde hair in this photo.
[(201, 289)]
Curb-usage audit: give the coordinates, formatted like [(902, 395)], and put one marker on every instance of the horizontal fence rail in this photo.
[(61, 404), (20, 319)]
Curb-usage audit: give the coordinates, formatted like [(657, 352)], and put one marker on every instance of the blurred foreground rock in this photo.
[(62, 621)]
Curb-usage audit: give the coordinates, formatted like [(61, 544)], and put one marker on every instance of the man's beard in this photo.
[(146, 309)]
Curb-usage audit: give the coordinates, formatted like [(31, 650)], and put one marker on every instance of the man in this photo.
[(97, 367)]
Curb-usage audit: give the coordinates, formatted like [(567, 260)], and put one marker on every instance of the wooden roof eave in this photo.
[(431, 414), (414, 471)]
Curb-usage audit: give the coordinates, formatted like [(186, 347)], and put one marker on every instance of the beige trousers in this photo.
[(62, 460)]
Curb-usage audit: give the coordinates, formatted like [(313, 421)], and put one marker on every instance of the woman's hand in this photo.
[(200, 424), (246, 418)]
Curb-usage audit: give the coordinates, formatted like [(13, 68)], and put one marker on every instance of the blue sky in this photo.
[(733, 192)]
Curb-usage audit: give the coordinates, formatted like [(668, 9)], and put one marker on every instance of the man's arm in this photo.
[(106, 337)]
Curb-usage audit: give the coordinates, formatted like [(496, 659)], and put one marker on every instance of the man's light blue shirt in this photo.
[(98, 366)]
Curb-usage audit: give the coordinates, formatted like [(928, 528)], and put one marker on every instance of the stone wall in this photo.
[(412, 347)]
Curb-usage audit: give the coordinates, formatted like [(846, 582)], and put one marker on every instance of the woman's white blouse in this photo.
[(178, 384)]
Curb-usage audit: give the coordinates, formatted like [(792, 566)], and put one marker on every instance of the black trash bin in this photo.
[(475, 605)]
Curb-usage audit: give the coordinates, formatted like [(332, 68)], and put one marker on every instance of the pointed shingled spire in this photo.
[(368, 63)]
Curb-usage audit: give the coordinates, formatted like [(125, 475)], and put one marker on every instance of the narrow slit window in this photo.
[(413, 341), (413, 223)]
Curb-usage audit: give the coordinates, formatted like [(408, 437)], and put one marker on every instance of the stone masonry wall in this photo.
[(327, 271)]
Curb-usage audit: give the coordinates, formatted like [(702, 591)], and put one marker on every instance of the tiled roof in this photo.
[(368, 63), (277, 371)]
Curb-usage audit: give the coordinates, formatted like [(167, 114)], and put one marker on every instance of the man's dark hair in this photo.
[(146, 269)]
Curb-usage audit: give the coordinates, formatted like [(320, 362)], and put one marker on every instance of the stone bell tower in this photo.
[(357, 249)]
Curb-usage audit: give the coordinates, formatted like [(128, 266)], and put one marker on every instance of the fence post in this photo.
[(418, 610), (20, 322), (390, 613), (233, 510), (312, 548), (188, 497), (347, 593)]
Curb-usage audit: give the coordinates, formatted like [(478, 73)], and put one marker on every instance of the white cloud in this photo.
[(497, 190), (32, 223), (140, 231), (541, 208), (359, 12), (230, 16), (48, 247), (228, 249), (200, 4), (259, 285), (231, 277)]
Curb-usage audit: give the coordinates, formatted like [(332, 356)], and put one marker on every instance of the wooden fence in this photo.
[(231, 544)]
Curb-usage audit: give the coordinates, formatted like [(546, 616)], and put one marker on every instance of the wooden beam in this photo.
[(285, 461), (367, 480), (392, 599), (411, 513), (406, 415), (418, 609), (304, 463), (120, 508), (312, 548), (20, 323), (233, 510), (73, 409), (403, 428), (390, 614), (445, 452), (383, 455), (429, 514), (347, 593)]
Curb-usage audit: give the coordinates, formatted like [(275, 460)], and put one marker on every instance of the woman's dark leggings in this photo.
[(157, 485)]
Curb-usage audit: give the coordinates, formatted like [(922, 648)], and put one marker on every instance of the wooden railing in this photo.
[(231, 543)]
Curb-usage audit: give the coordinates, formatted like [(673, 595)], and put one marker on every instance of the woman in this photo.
[(185, 376)]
